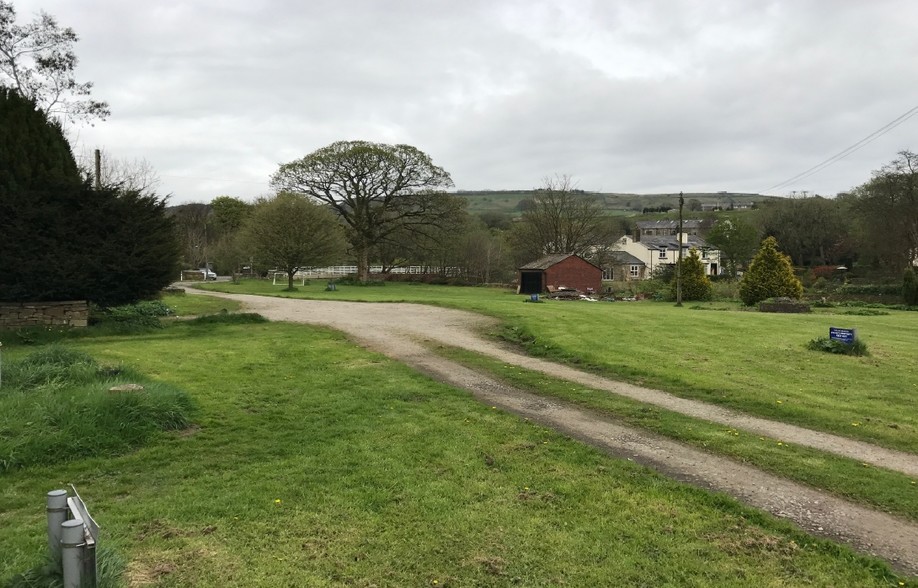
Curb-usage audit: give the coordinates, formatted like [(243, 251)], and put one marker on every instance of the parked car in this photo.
[(208, 274)]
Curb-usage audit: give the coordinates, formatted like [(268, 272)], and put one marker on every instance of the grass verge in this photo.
[(749, 361), (879, 488), (319, 464)]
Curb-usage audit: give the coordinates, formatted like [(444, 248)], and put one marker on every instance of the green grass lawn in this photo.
[(186, 305), (315, 463), (754, 362), (876, 487)]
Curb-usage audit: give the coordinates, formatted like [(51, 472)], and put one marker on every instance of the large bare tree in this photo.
[(37, 60), (128, 175), (376, 189), (562, 219)]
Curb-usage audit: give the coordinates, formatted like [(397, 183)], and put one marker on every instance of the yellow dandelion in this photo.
[(277, 501)]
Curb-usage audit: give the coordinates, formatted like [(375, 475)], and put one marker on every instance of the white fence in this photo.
[(337, 271)]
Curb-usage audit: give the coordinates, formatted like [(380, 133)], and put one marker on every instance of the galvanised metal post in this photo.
[(72, 552), (57, 514)]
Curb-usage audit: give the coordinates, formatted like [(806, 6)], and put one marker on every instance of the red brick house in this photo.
[(563, 270)]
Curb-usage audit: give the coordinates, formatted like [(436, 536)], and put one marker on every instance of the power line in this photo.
[(848, 151)]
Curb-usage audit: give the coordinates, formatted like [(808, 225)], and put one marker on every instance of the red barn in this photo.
[(563, 270)]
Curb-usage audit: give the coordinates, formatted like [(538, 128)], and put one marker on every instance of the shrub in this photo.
[(145, 313), (823, 271), (820, 284), (225, 318), (770, 275), (858, 347), (782, 304), (870, 289), (910, 287), (725, 289), (695, 285)]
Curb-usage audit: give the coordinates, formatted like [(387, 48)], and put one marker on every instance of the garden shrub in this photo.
[(770, 275), (783, 304), (910, 287), (695, 284)]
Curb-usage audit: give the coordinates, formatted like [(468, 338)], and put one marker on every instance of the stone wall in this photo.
[(73, 313)]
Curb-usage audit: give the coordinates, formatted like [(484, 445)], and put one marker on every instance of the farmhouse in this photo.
[(559, 271), (664, 250), (624, 267), (665, 228)]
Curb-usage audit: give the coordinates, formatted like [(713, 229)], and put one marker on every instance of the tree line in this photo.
[(67, 234)]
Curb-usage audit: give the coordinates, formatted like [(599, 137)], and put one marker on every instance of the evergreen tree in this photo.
[(770, 275), (59, 238), (910, 287), (33, 150), (695, 284)]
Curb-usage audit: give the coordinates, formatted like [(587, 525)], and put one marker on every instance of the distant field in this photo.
[(615, 203)]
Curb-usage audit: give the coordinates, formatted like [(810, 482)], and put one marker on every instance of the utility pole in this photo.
[(98, 178), (679, 264)]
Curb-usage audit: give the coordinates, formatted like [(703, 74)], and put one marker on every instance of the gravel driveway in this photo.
[(407, 332)]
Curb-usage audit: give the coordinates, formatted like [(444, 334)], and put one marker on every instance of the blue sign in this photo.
[(846, 336)]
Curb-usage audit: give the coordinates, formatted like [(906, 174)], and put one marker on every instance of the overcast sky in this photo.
[(641, 96)]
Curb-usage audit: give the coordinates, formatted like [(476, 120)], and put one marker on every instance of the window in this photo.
[(662, 253), (635, 271)]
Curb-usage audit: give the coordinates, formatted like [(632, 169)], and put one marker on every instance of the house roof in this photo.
[(625, 258), (550, 260), (672, 243), (668, 224)]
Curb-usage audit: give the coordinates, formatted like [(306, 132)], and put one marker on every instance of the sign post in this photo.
[(846, 336)]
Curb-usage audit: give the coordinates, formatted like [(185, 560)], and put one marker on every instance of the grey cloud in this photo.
[(640, 97)]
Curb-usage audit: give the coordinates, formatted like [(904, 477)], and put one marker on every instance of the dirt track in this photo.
[(406, 332)]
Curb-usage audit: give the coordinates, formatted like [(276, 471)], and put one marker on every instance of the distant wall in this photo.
[(74, 313)]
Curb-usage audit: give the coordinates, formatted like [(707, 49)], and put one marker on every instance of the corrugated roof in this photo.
[(547, 261)]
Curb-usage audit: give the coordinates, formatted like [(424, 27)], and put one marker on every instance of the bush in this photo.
[(783, 305), (858, 347), (870, 289), (695, 284), (140, 314), (64, 240), (725, 289), (823, 272), (910, 287), (225, 318), (770, 275)]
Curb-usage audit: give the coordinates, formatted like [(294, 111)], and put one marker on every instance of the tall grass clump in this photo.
[(857, 347), (56, 405), (110, 568), (140, 315)]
